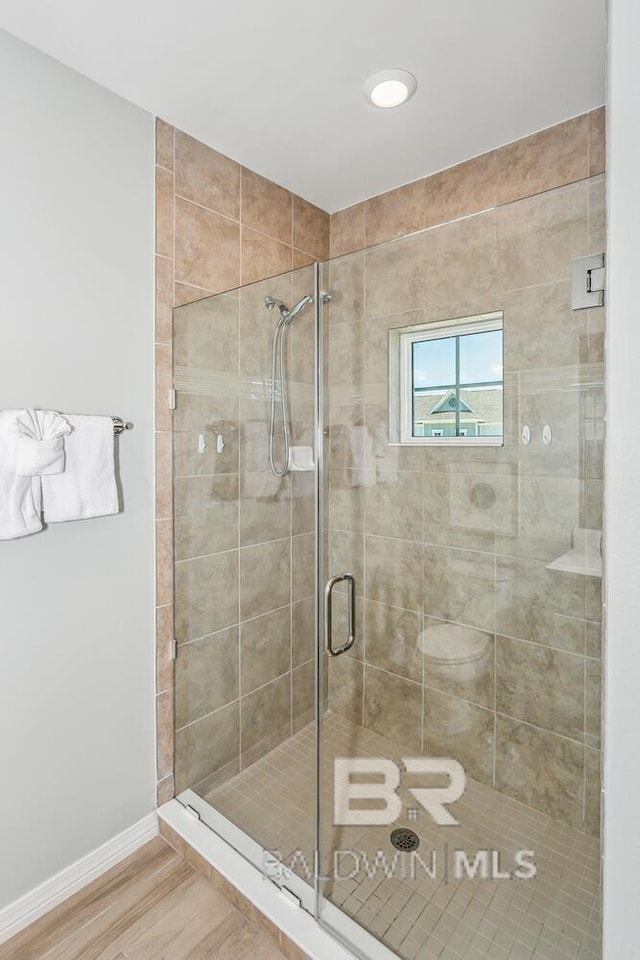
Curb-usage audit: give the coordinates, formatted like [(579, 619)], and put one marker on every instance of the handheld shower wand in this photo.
[(278, 372)]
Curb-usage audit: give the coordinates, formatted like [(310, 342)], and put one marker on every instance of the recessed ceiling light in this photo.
[(390, 88)]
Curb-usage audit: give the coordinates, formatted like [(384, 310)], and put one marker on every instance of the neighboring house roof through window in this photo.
[(448, 403), (485, 406)]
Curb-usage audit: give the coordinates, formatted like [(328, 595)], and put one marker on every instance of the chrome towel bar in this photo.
[(120, 425)]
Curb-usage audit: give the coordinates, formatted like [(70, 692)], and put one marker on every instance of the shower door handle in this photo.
[(328, 618)]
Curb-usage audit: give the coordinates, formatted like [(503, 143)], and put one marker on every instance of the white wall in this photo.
[(76, 334), (622, 714)]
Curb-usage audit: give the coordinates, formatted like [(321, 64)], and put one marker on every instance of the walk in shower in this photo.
[(389, 634)]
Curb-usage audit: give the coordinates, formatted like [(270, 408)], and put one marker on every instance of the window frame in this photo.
[(405, 339)]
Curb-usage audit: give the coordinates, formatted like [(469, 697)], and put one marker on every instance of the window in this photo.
[(446, 382)]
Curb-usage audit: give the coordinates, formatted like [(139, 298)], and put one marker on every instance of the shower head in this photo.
[(287, 315), (300, 305)]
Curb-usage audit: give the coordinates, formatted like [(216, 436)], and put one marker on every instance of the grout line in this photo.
[(194, 286), (249, 546), (543, 646), (365, 513), (217, 213), (584, 736), (267, 613), (207, 556), (456, 696), (535, 726), (280, 676), (209, 636), (210, 714), (422, 623), (238, 516), (495, 674), (291, 723), (397, 676), (424, 681)]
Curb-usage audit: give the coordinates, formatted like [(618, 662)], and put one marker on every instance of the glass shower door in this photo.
[(462, 399), (371, 616), (244, 571)]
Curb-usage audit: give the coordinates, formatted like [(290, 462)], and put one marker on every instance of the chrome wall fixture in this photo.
[(120, 426), (279, 375)]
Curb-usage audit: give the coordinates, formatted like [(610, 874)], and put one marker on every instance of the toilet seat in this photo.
[(451, 643)]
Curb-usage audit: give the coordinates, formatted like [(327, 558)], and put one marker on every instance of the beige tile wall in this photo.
[(220, 225), (524, 716), (560, 155)]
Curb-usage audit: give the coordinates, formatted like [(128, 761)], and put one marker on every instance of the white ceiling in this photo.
[(277, 84)]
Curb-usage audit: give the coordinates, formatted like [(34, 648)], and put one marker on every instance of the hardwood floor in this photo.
[(152, 906)]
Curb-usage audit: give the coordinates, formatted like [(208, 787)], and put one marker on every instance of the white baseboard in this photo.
[(49, 894)]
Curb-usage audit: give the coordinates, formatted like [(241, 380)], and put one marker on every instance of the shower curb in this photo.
[(299, 935)]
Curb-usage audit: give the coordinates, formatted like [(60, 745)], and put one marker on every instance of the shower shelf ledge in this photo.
[(585, 556), (301, 459)]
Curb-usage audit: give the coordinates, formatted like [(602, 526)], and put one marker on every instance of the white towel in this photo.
[(39, 448), (20, 498), (87, 488)]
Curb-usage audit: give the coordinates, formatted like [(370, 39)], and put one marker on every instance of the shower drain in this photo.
[(405, 839)]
